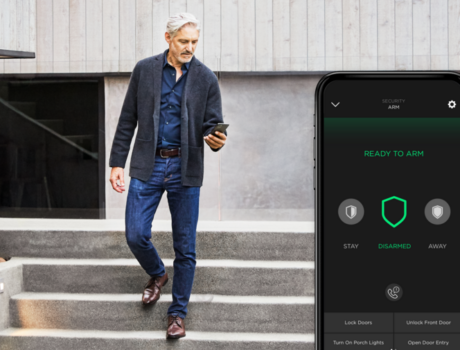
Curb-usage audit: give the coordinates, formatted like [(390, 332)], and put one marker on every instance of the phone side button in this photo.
[(314, 177), (314, 148)]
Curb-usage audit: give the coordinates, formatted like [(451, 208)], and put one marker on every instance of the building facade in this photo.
[(267, 54)]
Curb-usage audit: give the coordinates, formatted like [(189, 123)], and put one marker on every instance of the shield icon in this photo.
[(404, 211), (351, 211), (437, 211)]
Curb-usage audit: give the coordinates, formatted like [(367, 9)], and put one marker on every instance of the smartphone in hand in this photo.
[(221, 127)]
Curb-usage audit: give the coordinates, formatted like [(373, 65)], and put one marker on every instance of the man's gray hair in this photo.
[(176, 22)]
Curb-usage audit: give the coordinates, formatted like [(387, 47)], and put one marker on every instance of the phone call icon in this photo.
[(393, 292)]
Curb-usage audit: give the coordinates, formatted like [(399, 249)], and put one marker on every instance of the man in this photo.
[(175, 101)]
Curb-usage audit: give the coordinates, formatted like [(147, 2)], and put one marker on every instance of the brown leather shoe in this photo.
[(152, 289), (176, 327)]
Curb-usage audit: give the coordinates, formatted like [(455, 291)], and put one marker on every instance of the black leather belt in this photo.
[(166, 153)]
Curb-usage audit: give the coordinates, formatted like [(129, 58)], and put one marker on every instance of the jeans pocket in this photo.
[(136, 184)]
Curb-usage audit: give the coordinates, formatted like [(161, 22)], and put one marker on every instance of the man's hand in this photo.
[(117, 174), (216, 142)]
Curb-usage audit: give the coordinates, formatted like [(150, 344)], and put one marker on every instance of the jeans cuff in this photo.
[(153, 276)]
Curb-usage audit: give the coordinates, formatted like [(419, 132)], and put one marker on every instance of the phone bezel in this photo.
[(217, 127), (319, 160)]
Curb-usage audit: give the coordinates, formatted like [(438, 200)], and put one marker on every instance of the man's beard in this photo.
[(184, 60)]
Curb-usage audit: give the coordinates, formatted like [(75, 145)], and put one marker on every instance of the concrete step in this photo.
[(105, 239), (228, 277), (28, 108), (46, 339), (125, 312)]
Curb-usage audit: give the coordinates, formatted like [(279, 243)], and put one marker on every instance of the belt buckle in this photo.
[(161, 154)]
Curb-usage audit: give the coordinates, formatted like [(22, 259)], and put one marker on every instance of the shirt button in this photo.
[(167, 123), (173, 91), (170, 107), (163, 138), (173, 73)]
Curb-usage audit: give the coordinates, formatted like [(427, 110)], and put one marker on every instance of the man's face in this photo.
[(183, 45)]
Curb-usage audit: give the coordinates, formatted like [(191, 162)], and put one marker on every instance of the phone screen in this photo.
[(387, 211)]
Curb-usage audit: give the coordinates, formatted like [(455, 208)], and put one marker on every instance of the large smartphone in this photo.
[(221, 127), (387, 210)]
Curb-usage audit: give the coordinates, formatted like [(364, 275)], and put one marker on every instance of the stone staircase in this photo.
[(74, 284)]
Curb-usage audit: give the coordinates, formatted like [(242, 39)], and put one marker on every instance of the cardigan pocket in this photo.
[(142, 151), (194, 161)]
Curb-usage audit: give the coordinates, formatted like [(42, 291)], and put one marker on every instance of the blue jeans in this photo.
[(142, 203)]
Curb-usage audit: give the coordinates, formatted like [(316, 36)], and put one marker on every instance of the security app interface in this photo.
[(391, 214)]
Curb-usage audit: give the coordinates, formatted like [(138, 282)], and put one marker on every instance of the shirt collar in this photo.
[(165, 62)]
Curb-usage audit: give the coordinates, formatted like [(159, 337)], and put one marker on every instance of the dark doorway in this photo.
[(50, 148)]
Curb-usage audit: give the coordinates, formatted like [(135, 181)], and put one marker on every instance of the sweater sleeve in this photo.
[(127, 123), (213, 114)]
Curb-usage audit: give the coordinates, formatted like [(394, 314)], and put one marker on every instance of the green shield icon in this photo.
[(404, 214)]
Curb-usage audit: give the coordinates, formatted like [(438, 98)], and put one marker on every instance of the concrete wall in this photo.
[(264, 172), (11, 273), (17, 32), (244, 35)]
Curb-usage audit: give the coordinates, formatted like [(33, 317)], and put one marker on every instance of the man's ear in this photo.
[(167, 37)]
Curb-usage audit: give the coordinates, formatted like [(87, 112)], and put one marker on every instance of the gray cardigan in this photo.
[(201, 109)]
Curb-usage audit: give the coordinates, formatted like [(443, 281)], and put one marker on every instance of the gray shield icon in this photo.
[(437, 211), (351, 211)]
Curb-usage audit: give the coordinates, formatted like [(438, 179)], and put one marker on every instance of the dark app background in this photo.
[(355, 280)]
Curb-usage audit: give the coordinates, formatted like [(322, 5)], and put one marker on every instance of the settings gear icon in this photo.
[(452, 104)]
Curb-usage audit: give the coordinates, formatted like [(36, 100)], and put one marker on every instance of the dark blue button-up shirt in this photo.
[(171, 96)]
